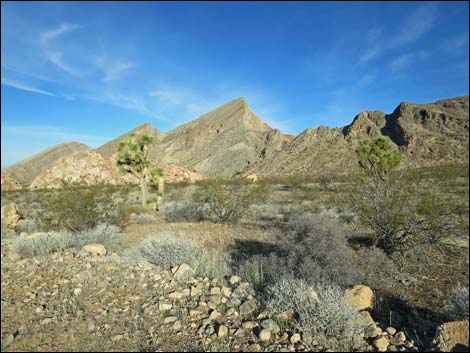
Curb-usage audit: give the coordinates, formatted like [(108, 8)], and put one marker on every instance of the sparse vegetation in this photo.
[(49, 243), (457, 302), (145, 218), (166, 251), (318, 310)]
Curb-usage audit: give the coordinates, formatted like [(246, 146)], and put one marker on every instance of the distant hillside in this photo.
[(26, 170), (109, 148), (232, 140), (222, 142), (427, 134)]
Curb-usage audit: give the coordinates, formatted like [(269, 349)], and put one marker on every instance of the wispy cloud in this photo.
[(418, 23), (56, 133), (24, 87), (56, 32), (412, 28), (404, 61), (457, 43), (53, 55), (166, 95)]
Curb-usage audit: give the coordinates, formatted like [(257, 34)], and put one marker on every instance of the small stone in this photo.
[(295, 338), (117, 338), (247, 307), (399, 339), (265, 335), (391, 330), (215, 291), (164, 306), (235, 280), (9, 339), (308, 339), (381, 343), (222, 332), (372, 331), (249, 325), (196, 291), (46, 321), (184, 272), (233, 303), (215, 316), (95, 249), (392, 348), (361, 297), (176, 296), (270, 325), (226, 292), (170, 319), (177, 325)]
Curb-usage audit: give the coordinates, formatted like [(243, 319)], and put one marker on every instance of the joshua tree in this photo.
[(133, 158), (377, 157), (158, 182)]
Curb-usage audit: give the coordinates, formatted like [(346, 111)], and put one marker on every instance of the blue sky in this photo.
[(91, 71)]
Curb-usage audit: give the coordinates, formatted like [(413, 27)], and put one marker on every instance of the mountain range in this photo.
[(232, 140)]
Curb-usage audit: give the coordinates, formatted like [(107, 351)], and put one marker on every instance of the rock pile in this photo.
[(89, 170), (105, 301), (94, 169), (8, 183)]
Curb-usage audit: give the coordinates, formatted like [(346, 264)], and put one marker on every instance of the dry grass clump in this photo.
[(319, 311), (48, 243)]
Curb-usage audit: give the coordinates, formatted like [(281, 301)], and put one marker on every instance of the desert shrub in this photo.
[(167, 251), (145, 218), (317, 250), (79, 208), (27, 226), (262, 271), (227, 202), (186, 211), (457, 303), (319, 310), (49, 243), (402, 214), (209, 264)]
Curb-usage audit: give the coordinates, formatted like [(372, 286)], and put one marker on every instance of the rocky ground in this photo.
[(97, 300)]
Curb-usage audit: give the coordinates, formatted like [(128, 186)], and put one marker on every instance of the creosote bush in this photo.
[(402, 214), (318, 310), (49, 243), (317, 250), (457, 303), (167, 251), (145, 218), (79, 208)]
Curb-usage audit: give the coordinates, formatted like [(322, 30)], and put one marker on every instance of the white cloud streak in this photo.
[(25, 87)]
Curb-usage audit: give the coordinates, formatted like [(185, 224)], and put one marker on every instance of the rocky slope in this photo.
[(93, 169), (26, 170), (92, 300), (109, 148), (222, 142), (8, 183), (427, 134), (232, 140)]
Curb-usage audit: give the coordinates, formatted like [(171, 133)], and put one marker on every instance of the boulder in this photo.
[(95, 249), (452, 337), (252, 177), (9, 214), (360, 296), (184, 272), (381, 344)]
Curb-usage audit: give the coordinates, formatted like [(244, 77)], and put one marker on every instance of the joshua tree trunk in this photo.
[(143, 188), (160, 191)]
